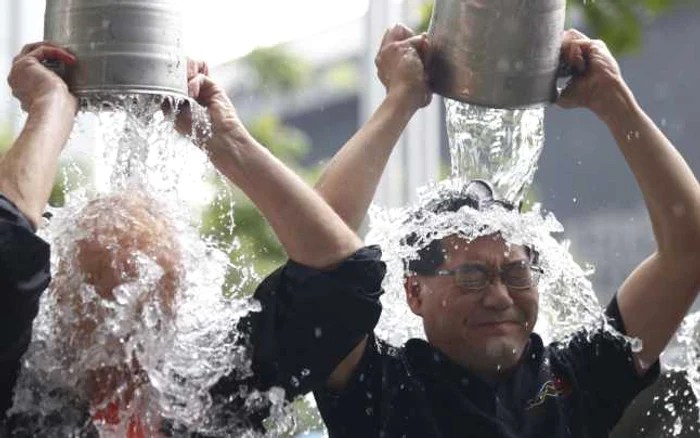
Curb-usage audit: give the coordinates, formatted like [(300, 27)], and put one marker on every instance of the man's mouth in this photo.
[(496, 327)]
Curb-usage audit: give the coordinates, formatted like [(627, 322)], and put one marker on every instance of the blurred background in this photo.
[(303, 79)]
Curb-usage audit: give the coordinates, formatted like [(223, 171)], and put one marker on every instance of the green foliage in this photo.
[(618, 22), (276, 69), (72, 174), (285, 142), (425, 14), (344, 75)]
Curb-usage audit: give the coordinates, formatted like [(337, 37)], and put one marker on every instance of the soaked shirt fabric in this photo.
[(24, 274), (313, 319)]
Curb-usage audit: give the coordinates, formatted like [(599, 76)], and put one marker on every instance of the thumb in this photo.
[(570, 95), (194, 86)]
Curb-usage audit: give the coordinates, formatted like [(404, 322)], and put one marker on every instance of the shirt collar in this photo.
[(434, 366)]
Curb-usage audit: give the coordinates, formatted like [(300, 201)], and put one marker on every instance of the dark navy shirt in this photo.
[(24, 274), (311, 320)]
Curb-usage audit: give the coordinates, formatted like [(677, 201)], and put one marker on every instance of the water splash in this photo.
[(135, 329), (497, 145), (567, 302), (689, 338)]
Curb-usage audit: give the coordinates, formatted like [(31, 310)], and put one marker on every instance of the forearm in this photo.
[(670, 190), (349, 182), (311, 233), (28, 169)]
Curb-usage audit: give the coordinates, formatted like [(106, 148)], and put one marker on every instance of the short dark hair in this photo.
[(476, 194)]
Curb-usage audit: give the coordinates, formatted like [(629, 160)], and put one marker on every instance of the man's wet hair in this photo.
[(478, 195)]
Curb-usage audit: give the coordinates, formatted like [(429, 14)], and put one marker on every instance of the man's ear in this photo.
[(413, 287)]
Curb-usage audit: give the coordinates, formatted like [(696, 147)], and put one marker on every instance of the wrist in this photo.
[(223, 147), (58, 101), (616, 100), (405, 99)]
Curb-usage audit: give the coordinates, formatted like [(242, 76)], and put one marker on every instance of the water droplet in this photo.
[(636, 345)]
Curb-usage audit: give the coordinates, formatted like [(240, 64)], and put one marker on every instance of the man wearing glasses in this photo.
[(482, 371)]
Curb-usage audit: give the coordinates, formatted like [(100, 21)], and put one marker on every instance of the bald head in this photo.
[(123, 241)]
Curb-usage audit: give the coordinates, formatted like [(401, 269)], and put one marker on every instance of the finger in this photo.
[(573, 35), (426, 51), (194, 85), (45, 52), (28, 48), (418, 42), (385, 37), (575, 54), (398, 33), (183, 122), (569, 95), (195, 67), (32, 46), (201, 88)]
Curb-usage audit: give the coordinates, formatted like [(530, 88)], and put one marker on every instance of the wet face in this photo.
[(486, 329)]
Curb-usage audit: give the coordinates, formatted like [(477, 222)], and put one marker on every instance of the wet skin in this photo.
[(115, 229), (487, 330)]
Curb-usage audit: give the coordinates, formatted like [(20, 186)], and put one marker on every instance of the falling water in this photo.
[(497, 145), (567, 300), (156, 344), (502, 147)]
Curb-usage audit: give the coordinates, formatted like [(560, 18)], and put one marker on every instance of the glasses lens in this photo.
[(519, 276), (471, 278)]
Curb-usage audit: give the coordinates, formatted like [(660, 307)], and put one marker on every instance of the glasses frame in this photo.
[(491, 274)]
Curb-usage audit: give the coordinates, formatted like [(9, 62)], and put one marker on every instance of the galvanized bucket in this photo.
[(122, 46), (496, 53)]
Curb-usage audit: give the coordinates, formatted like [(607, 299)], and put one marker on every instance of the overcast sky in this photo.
[(219, 30)]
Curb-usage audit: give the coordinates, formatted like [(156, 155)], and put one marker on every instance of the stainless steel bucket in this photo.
[(123, 46), (496, 53)]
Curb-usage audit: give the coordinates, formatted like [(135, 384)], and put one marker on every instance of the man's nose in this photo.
[(497, 296)]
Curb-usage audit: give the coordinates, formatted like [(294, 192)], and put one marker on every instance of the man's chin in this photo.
[(501, 352)]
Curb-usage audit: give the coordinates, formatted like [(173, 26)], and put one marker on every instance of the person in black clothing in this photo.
[(27, 171), (482, 372)]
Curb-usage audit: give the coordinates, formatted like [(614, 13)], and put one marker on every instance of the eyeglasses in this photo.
[(518, 275)]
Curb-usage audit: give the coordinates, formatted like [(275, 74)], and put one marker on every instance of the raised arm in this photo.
[(658, 294), (310, 231), (28, 169), (349, 182), (26, 176)]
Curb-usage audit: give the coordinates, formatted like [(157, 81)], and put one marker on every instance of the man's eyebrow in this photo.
[(513, 262), (475, 263)]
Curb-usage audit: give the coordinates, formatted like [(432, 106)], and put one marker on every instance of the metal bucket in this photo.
[(496, 53), (122, 46)]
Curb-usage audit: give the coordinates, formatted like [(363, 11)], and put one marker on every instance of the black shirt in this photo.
[(24, 274), (312, 319)]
